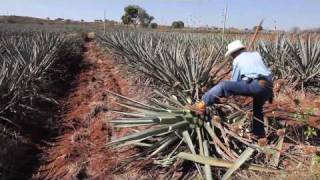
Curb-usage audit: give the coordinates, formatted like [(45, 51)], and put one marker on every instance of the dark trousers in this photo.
[(253, 89)]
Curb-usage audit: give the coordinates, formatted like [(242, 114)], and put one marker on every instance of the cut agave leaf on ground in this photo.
[(200, 141), (223, 163), (167, 143), (188, 141), (207, 168), (276, 155), (218, 143), (236, 165), (128, 143), (142, 144)]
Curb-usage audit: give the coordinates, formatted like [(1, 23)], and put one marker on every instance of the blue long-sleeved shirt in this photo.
[(249, 64)]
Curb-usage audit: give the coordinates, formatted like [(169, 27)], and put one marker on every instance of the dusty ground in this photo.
[(80, 151)]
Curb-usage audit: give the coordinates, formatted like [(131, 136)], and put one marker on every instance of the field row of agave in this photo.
[(183, 66), (32, 64), (295, 59)]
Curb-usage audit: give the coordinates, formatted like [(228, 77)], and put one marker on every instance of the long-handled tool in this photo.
[(255, 35)]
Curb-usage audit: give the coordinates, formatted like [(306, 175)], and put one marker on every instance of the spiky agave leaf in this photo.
[(276, 55), (293, 60), (222, 163), (242, 158)]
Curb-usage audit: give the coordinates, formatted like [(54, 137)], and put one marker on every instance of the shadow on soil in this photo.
[(42, 126)]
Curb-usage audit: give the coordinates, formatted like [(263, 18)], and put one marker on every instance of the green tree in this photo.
[(177, 24), (132, 11), (126, 19), (130, 15), (144, 18), (135, 14), (59, 19), (154, 25)]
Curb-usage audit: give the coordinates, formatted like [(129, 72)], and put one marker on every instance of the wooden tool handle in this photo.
[(249, 48)]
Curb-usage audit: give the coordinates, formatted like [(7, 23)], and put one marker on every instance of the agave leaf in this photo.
[(188, 141), (132, 121), (133, 101), (163, 104), (146, 120), (148, 133), (167, 143), (164, 112), (170, 99), (223, 163), (133, 125), (129, 114), (217, 142), (207, 168), (141, 110), (128, 143), (242, 158), (200, 141), (142, 144), (276, 155)]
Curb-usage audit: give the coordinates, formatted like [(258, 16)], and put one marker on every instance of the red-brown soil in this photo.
[(80, 151)]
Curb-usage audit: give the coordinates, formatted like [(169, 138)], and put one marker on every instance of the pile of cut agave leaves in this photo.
[(167, 131)]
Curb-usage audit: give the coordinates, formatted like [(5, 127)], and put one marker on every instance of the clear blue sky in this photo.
[(285, 14)]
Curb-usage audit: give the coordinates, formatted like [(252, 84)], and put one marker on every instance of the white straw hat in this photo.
[(234, 46)]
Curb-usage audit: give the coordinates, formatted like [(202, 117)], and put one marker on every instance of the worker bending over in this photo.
[(250, 77)]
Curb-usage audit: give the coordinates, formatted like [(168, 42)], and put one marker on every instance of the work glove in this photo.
[(198, 108)]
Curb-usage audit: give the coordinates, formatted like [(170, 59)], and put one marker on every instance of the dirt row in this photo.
[(80, 151)]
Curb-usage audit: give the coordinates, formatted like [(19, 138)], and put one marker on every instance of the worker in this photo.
[(250, 77)]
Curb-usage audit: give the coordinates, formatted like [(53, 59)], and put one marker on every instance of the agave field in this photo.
[(32, 63), (38, 67), (182, 67)]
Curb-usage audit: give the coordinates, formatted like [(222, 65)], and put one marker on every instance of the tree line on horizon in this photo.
[(136, 15)]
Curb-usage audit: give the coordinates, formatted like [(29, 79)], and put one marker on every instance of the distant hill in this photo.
[(34, 20), (22, 20)]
